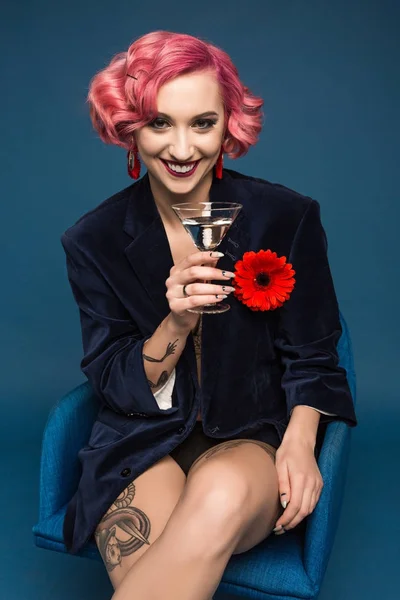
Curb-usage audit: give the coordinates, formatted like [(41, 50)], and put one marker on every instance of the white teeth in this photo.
[(179, 169)]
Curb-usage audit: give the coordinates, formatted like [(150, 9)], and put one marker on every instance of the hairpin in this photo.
[(131, 76)]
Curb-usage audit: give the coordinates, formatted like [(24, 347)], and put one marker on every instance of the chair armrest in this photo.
[(67, 430), (322, 524), (323, 521)]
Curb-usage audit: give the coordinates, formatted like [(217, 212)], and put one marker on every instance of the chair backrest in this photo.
[(68, 427)]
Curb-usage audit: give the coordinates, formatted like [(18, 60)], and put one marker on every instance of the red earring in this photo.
[(219, 164), (133, 164)]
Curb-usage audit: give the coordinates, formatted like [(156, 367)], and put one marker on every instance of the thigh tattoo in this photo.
[(129, 519), (233, 444)]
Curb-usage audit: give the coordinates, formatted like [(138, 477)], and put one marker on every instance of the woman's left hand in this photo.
[(300, 481)]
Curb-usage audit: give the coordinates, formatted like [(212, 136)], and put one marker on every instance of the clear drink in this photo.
[(207, 232)]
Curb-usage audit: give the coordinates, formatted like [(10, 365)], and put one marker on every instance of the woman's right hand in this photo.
[(191, 272)]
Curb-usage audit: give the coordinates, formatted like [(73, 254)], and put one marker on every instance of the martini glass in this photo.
[(207, 224)]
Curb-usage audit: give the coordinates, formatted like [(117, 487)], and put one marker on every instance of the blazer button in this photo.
[(181, 429), (126, 472)]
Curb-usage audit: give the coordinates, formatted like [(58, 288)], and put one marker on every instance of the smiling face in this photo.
[(180, 135)]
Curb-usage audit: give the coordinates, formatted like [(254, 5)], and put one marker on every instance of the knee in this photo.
[(217, 493)]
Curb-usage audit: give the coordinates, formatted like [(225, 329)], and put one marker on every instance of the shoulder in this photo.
[(96, 224), (264, 197)]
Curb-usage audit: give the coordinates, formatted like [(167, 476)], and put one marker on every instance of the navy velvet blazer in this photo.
[(256, 366)]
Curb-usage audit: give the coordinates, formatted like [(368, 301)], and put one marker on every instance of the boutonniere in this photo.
[(263, 280)]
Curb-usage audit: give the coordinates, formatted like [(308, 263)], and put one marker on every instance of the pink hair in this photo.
[(119, 104)]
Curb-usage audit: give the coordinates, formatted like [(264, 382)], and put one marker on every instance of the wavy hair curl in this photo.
[(123, 96)]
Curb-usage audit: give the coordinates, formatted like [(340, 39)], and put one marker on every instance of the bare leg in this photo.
[(160, 573), (186, 562)]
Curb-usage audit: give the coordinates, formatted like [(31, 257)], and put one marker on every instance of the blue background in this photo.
[(329, 76)]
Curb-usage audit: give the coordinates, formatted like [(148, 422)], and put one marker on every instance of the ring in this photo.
[(184, 290)]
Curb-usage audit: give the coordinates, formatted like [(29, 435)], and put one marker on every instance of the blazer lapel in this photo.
[(149, 253), (150, 257)]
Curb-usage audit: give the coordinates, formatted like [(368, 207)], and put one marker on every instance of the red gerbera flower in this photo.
[(263, 281)]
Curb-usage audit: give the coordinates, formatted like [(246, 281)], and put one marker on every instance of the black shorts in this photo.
[(198, 442)]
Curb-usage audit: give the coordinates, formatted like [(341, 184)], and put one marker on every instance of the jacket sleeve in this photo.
[(313, 407), (309, 329), (112, 342)]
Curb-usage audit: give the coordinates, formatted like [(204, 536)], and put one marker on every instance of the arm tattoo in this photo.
[(164, 375), (161, 380), (170, 350)]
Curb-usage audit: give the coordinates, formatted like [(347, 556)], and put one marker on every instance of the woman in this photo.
[(191, 462)]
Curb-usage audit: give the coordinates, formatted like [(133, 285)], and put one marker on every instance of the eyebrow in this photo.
[(210, 113)]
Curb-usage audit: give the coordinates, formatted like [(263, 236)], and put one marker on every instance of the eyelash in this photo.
[(210, 123)]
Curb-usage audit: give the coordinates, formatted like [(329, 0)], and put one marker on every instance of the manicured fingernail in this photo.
[(284, 503), (216, 254), (277, 528), (280, 532), (228, 274)]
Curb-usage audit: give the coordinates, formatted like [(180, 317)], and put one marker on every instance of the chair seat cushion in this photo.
[(273, 569), (48, 534)]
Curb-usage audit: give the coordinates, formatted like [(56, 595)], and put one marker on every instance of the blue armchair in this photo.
[(285, 567)]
